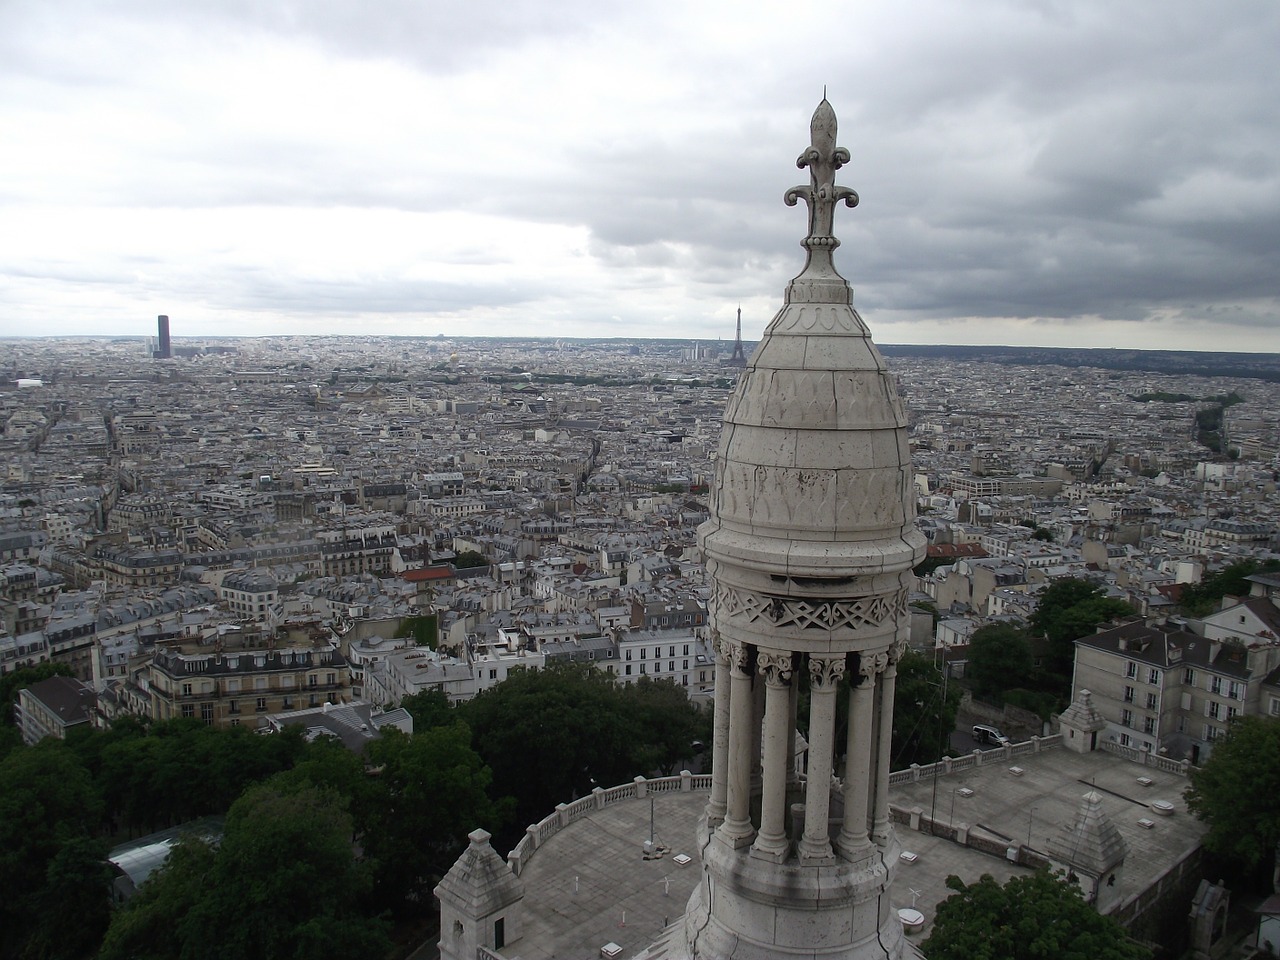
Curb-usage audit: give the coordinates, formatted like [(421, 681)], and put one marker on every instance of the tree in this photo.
[(433, 791), (1071, 608), (469, 558), (48, 805), (666, 724), (283, 883), (1200, 599), (1035, 917), (1237, 792), (924, 711), (551, 735), (429, 708), (999, 659)]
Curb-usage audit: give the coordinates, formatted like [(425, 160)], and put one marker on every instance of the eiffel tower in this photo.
[(738, 359)]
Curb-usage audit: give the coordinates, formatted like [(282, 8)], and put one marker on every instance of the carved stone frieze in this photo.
[(849, 613)]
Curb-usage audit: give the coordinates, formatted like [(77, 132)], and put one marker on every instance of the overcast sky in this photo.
[(1031, 172)]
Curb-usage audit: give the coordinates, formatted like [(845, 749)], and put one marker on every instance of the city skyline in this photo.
[(1077, 175)]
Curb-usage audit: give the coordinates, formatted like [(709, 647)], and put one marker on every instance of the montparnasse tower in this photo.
[(810, 547)]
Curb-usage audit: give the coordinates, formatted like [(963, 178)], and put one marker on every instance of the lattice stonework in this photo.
[(852, 613)]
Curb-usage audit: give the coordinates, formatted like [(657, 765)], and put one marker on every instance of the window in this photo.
[(1149, 725), (312, 680), (1126, 740), (1128, 694), (1153, 701), (188, 710), (1153, 675), (644, 652), (233, 706), (1126, 718), (1182, 724), (628, 654), (287, 703), (1232, 713), (642, 670), (186, 689), (206, 712), (1235, 690), (671, 666), (1275, 706), (686, 649), (313, 700), (493, 674), (684, 664), (260, 704), (330, 678), (1215, 685), (1189, 677), (1215, 709), (1130, 669), (1210, 733), (671, 651), (628, 669), (657, 667)]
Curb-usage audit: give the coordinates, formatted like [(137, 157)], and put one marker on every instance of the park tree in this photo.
[(1237, 793), (1201, 599), (433, 791), (1000, 659), (282, 883), (665, 723), (1068, 609), (924, 711), (1039, 916), (429, 708), (49, 810), (552, 735)]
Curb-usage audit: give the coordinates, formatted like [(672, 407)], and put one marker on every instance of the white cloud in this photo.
[(1051, 172)]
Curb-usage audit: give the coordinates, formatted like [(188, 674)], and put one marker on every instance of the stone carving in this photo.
[(775, 667), (740, 656), (823, 158), (825, 671), (853, 613), (870, 665)]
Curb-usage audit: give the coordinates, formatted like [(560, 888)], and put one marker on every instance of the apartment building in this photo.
[(676, 655), (237, 679), (1164, 689)]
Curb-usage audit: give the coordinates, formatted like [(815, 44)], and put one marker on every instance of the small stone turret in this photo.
[(479, 902)]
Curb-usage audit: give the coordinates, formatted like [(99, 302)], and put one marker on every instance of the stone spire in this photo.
[(810, 547), (479, 901), (1091, 849)]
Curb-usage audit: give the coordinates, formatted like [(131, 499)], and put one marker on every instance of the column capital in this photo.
[(740, 655), (720, 647), (896, 650), (869, 666), (775, 667), (825, 671)]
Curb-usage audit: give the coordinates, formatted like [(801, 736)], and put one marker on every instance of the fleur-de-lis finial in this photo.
[(823, 158)]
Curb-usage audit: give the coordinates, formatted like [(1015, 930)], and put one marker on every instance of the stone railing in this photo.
[(1147, 758), (536, 834), (978, 758)]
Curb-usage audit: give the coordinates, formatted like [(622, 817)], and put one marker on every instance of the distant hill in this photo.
[(1255, 366)]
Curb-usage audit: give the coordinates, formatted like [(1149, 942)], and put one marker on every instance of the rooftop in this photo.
[(589, 884)]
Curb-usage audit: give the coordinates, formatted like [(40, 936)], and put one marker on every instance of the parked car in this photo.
[(984, 733)]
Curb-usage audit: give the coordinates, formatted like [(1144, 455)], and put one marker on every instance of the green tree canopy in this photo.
[(1034, 917), (1200, 599), (283, 883), (924, 711), (1068, 609), (49, 809), (1237, 792), (433, 791), (999, 659)]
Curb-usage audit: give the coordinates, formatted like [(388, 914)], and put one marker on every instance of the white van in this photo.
[(983, 733)]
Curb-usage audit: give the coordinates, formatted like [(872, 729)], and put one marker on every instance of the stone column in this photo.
[(824, 674), (853, 841), (771, 842), (793, 706), (880, 824), (757, 735), (737, 829), (716, 806)]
